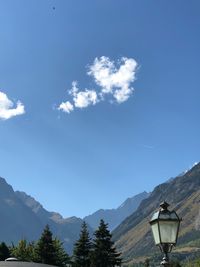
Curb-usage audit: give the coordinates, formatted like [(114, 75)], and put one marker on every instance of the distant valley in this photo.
[(24, 217)]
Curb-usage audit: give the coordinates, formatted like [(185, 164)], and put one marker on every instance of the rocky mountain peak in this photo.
[(5, 189), (29, 201)]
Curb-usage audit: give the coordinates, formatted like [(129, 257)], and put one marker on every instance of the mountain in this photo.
[(133, 236), (16, 219), (66, 229), (115, 216), (23, 217)]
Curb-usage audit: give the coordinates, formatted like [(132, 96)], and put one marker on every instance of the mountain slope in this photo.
[(133, 236), (66, 230), (115, 216), (16, 219), (23, 217)]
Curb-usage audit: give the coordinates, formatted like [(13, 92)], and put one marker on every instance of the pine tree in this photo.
[(61, 257), (104, 254), (24, 251), (4, 251), (81, 253), (45, 250), (146, 262), (50, 251)]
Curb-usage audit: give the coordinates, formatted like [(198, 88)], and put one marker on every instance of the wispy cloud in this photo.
[(7, 109), (147, 146), (112, 80)]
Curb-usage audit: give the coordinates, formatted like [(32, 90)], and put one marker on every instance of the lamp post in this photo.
[(165, 227)]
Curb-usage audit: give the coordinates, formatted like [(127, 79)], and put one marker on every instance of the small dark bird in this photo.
[(54, 8)]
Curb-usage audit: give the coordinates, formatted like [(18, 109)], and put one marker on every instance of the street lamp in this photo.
[(165, 226)]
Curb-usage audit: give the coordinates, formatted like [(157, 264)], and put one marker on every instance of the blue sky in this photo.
[(112, 142)]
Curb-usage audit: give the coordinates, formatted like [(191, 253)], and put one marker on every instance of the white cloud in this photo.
[(112, 79), (66, 107), (123, 94), (6, 107), (86, 98), (83, 99)]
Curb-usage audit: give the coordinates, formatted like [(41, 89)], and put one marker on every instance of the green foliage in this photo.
[(61, 257), (192, 243), (45, 251), (82, 249), (175, 263), (4, 251), (50, 251), (190, 239), (192, 263), (104, 254), (24, 251)]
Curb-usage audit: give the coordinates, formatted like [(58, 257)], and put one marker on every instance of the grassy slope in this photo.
[(134, 239)]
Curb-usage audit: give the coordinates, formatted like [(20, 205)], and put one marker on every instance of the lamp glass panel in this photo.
[(168, 231), (155, 231)]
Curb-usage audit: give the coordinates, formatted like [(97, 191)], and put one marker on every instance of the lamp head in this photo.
[(165, 226)]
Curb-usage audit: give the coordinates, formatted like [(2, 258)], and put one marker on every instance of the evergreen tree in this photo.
[(4, 252), (104, 254), (147, 262), (45, 249), (24, 251), (50, 251), (61, 257), (81, 253)]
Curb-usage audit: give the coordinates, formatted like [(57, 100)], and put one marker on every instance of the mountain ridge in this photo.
[(132, 236), (115, 216), (31, 218)]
